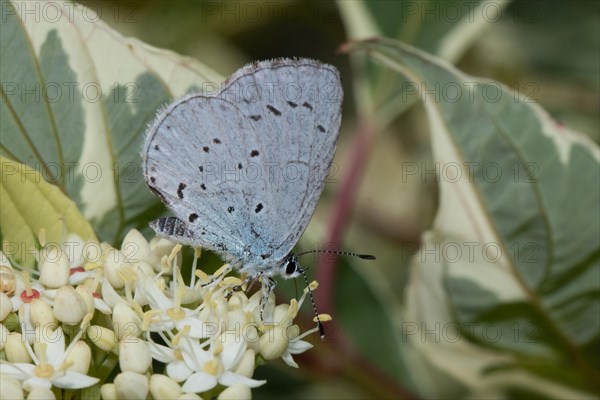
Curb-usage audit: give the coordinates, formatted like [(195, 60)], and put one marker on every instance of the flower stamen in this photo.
[(43, 369)]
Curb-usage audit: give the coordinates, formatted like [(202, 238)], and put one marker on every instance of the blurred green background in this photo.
[(549, 50)]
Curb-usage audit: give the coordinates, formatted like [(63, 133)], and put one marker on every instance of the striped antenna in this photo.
[(303, 272)]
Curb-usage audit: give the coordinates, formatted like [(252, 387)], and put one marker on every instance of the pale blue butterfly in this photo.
[(243, 169)]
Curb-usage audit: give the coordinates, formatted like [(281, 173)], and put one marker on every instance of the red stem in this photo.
[(344, 201)]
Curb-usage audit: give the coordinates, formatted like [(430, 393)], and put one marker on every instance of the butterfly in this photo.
[(242, 169)]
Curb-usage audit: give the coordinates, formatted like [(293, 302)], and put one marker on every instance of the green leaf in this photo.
[(364, 306), (29, 203), (444, 28), (76, 99), (520, 213)]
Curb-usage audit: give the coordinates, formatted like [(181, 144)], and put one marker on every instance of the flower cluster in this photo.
[(90, 310)]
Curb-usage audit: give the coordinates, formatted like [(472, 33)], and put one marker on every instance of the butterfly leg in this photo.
[(221, 274), (239, 287), (267, 288)]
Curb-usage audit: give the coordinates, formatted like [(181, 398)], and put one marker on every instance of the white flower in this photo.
[(51, 367), (26, 290), (283, 339), (296, 346), (171, 356), (207, 368), (170, 313)]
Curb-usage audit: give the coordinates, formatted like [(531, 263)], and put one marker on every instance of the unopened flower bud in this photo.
[(115, 263), (145, 268), (80, 356), (131, 386), (15, 349), (5, 306), (8, 281), (236, 318), (237, 301), (134, 355), (41, 394), (126, 323), (108, 391), (87, 296), (281, 313), (252, 338), (246, 364), (54, 267), (164, 388), (160, 247), (10, 388), (268, 308), (41, 314), (74, 247), (69, 307), (135, 247), (102, 337), (236, 392), (273, 343)]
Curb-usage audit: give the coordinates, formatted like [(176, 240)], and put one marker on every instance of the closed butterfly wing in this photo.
[(242, 170)]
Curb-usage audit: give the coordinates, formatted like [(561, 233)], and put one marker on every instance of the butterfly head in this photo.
[(290, 268)]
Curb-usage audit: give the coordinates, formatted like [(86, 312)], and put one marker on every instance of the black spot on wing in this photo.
[(258, 208), (206, 149), (152, 179), (274, 110), (193, 217), (307, 105), (320, 128), (221, 246), (292, 104), (201, 168), (216, 141), (255, 117), (203, 186), (254, 153), (230, 209), (156, 147), (180, 190), (239, 166)]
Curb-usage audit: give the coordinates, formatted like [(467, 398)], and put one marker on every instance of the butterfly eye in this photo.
[(291, 267)]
